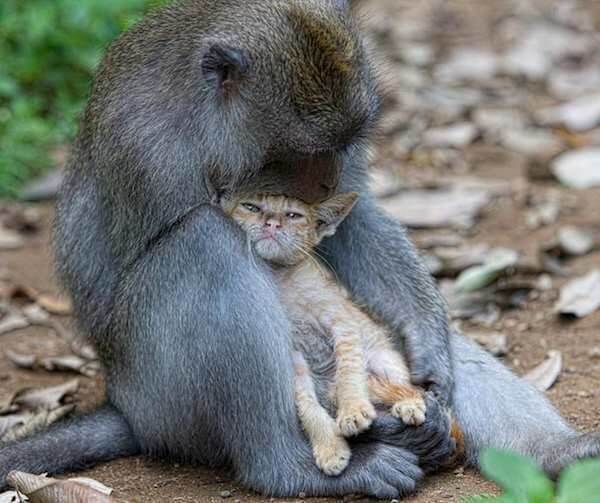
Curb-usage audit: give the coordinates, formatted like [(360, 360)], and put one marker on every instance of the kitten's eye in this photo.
[(251, 207), (293, 216)]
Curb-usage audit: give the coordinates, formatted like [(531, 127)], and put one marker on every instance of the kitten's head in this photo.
[(285, 230)]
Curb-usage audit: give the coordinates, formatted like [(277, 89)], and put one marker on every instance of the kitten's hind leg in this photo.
[(330, 448)]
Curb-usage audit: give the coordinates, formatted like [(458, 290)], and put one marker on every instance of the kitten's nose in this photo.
[(272, 224)]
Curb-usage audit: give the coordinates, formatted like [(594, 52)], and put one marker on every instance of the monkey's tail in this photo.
[(73, 444), (495, 408)]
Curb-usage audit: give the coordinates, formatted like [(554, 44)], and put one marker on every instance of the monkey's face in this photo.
[(283, 230)]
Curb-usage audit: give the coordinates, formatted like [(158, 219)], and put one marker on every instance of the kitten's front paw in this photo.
[(332, 457), (410, 410), (356, 417)]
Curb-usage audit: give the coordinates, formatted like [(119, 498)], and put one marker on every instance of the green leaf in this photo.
[(520, 477), (580, 483), (480, 276)]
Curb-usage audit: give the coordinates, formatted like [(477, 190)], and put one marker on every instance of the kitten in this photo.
[(368, 370)]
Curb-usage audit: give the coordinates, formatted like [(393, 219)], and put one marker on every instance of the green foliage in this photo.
[(48, 52), (524, 482)]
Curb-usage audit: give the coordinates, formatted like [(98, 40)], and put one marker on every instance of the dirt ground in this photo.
[(532, 330)]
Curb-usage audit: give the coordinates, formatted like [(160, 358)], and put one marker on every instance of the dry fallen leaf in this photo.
[(580, 296), (13, 320), (71, 363), (45, 398), (546, 373), (11, 497), (42, 489), (53, 304), (437, 208)]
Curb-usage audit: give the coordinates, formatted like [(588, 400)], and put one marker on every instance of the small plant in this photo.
[(523, 481), (48, 53)]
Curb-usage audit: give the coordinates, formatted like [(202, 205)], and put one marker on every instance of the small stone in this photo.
[(455, 135), (594, 353), (225, 494), (302, 495), (580, 114), (468, 64), (544, 283), (579, 169), (522, 327), (575, 241), (496, 343)]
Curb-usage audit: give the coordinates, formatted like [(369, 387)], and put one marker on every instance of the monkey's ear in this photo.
[(224, 66), (331, 213)]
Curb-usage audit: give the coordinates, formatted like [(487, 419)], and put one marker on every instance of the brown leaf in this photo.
[(46, 398), (12, 321), (42, 489), (546, 373), (55, 304)]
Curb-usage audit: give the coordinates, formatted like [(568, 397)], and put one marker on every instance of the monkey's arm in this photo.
[(372, 255)]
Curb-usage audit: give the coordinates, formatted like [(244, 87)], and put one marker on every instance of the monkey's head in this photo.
[(292, 78), (271, 95), (283, 230)]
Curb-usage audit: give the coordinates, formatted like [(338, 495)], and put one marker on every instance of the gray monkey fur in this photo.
[(189, 326)]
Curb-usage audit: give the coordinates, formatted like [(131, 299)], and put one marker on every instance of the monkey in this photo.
[(273, 96)]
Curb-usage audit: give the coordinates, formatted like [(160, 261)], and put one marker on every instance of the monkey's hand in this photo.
[(431, 441), (430, 363)]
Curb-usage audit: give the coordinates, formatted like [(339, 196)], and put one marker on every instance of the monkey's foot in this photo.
[(410, 410), (332, 456), (355, 417)]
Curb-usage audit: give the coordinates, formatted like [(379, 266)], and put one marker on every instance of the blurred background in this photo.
[(489, 153), (48, 53)]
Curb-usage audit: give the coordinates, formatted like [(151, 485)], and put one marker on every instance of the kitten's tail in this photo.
[(77, 443), (495, 408)]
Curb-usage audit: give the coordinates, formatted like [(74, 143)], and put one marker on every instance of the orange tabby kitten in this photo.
[(368, 370)]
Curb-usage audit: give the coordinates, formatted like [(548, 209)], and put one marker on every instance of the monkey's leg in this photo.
[(330, 448), (373, 257), (211, 379)]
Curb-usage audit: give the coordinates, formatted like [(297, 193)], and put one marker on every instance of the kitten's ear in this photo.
[(227, 203), (224, 66), (332, 212)]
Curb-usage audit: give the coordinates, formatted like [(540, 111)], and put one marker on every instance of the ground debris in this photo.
[(43, 489)]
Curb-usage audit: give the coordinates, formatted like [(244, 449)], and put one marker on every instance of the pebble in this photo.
[(579, 169), (594, 353), (456, 135), (225, 494)]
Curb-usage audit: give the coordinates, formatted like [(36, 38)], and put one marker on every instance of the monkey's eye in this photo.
[(251, 207), (293, 215)]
